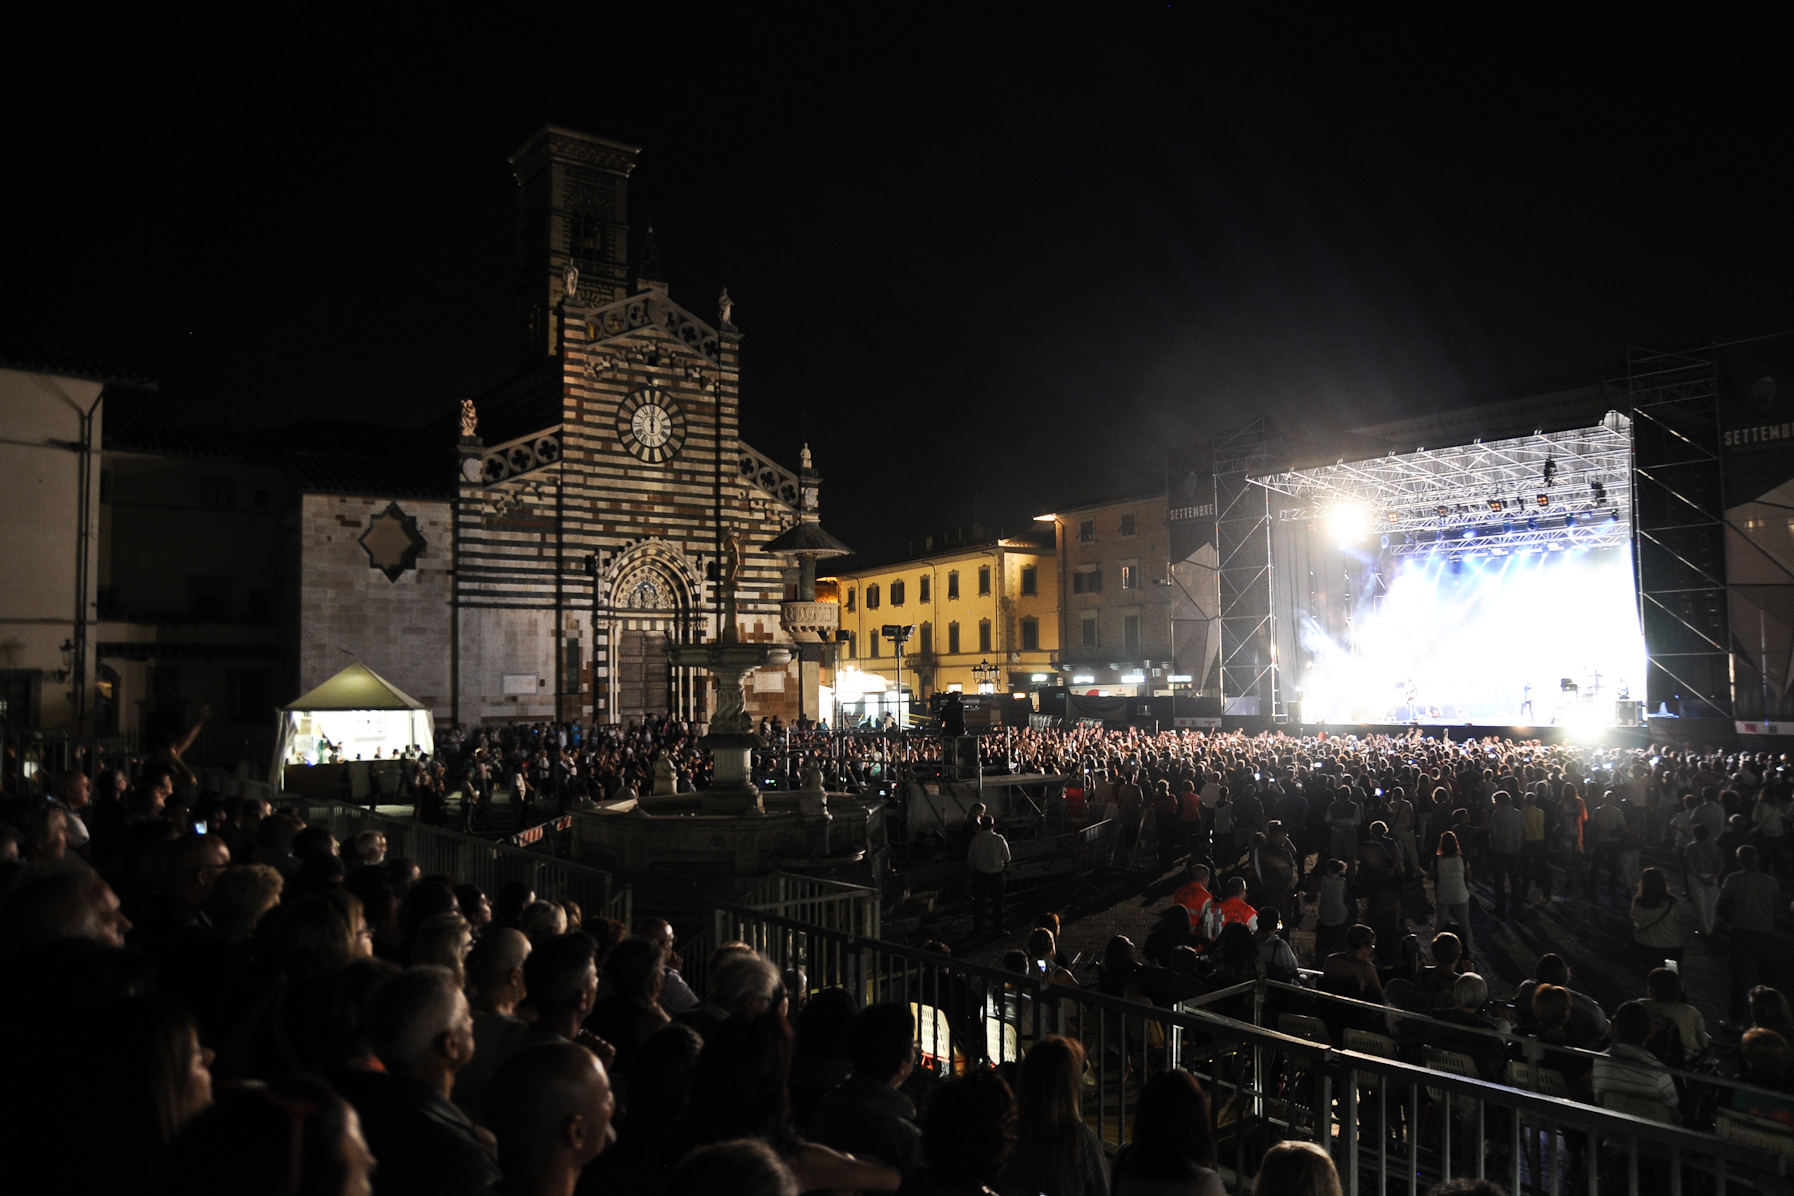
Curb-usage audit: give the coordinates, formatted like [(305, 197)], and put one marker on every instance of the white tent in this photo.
[(357, 710)]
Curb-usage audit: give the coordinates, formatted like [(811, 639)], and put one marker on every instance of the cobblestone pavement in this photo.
[(1593, 933)]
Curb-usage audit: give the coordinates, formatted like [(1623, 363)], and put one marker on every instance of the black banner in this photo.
[(1190, 497), (1756, 395)]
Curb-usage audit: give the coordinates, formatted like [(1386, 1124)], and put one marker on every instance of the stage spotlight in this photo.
[(1507, 529), (1570, 519), (1544, 500), (1469, 533), (1550, 472), (1495, 505), (1600, 491), (1443, 512), (1394, 518), (1407, 537), (1348, 523), (1613, 515), (1532, 525)]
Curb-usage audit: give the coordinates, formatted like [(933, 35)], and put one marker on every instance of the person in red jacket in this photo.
[(1234, 907), (1199, 903)]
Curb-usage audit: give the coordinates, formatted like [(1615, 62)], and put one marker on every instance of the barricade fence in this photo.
[(468, 859), (1390, 1125)]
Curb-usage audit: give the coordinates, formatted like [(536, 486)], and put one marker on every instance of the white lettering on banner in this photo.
[(1760, 434), (1205, 511)]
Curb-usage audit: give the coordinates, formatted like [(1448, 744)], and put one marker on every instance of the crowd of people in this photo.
[(204, 993)]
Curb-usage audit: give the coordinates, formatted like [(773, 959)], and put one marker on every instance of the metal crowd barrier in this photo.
[(1389, 1125)]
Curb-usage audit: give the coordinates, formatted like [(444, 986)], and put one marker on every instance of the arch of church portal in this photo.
[(648, 601)]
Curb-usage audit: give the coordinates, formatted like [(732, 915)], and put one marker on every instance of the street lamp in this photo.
[(986, 673), (899, 634)]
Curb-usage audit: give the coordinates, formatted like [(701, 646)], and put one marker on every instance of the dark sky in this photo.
[(985, 268)]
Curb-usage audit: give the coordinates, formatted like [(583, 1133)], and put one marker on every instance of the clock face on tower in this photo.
[(651, 425)]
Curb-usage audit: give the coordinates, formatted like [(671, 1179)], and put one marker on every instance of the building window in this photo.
[(850, 590), (953, 639), (872, 645), (1086, 531), (983, 580), (1089, 633), (1030, 635), (952, 584), (1087, 581), (849, 642), (897, 593), (1130, 633), (922, 588), (1128, 524), (588, 235), (1030, 580), (217, 494), (872, 603), (926, 644), (1130, 577), (984, 635)]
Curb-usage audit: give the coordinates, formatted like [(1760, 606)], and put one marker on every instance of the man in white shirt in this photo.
[(988, 856)]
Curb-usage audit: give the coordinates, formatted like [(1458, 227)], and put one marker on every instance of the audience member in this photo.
[(1057, 1152), (1628, 1068), (551, 1113), (495, 986), (867, 1116), (421, 1029), (970, 1134), (739, 1167), (821, 1060), (1296, 1168), (297, 1138), (1172, 1152)]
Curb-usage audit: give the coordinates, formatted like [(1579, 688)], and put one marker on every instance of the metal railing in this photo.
[(30, 759), (1388, 1124), (833, 905), (470, 860)]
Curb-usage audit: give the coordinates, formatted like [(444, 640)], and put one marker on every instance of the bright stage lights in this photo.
[(1466, 632), (1348, 523)]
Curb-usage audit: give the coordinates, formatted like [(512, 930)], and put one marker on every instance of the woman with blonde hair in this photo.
[(1056, 1151), (1296, 1168)]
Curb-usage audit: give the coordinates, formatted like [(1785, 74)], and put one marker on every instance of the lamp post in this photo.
[(899, 634), (986, 673)]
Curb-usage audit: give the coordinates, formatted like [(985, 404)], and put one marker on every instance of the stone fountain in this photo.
[(685, 851), (732, 738)]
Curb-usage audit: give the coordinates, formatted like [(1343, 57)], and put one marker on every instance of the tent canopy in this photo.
[(357, 714), (356, 688)]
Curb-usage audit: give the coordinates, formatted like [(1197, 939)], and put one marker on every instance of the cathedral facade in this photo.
[(586, 511)]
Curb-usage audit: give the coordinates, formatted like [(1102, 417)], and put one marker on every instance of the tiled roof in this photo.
[(39, 360)]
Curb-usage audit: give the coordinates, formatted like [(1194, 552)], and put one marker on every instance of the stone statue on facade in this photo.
[(570, 281), (470, 420), (731, 571), (727, 307)]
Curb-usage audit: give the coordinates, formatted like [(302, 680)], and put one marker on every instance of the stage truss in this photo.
[(1545, 492)]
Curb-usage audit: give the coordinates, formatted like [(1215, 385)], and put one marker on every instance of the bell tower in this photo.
[(573, 194)]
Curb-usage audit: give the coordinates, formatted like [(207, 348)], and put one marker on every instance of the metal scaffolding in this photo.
[(1679, 522), (1243, 546), (1569, 489)]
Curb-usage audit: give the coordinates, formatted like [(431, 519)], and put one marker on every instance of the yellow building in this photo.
[(984, 614)]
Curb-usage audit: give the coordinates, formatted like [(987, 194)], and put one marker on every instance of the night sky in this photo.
[(984, 268)]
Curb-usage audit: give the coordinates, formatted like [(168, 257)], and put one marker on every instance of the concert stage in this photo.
[(1479, 587)]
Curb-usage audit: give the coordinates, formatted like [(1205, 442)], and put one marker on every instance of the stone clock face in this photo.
[(651, 425)]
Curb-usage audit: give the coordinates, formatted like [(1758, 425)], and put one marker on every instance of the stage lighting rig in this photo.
[(1599, 491), (1550, 472), (1495, 505), (1544, 500)]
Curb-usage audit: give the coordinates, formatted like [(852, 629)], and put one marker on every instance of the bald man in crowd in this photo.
[(551, 1109)]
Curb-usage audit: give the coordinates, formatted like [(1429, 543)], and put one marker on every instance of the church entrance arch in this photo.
[(650, 609)]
